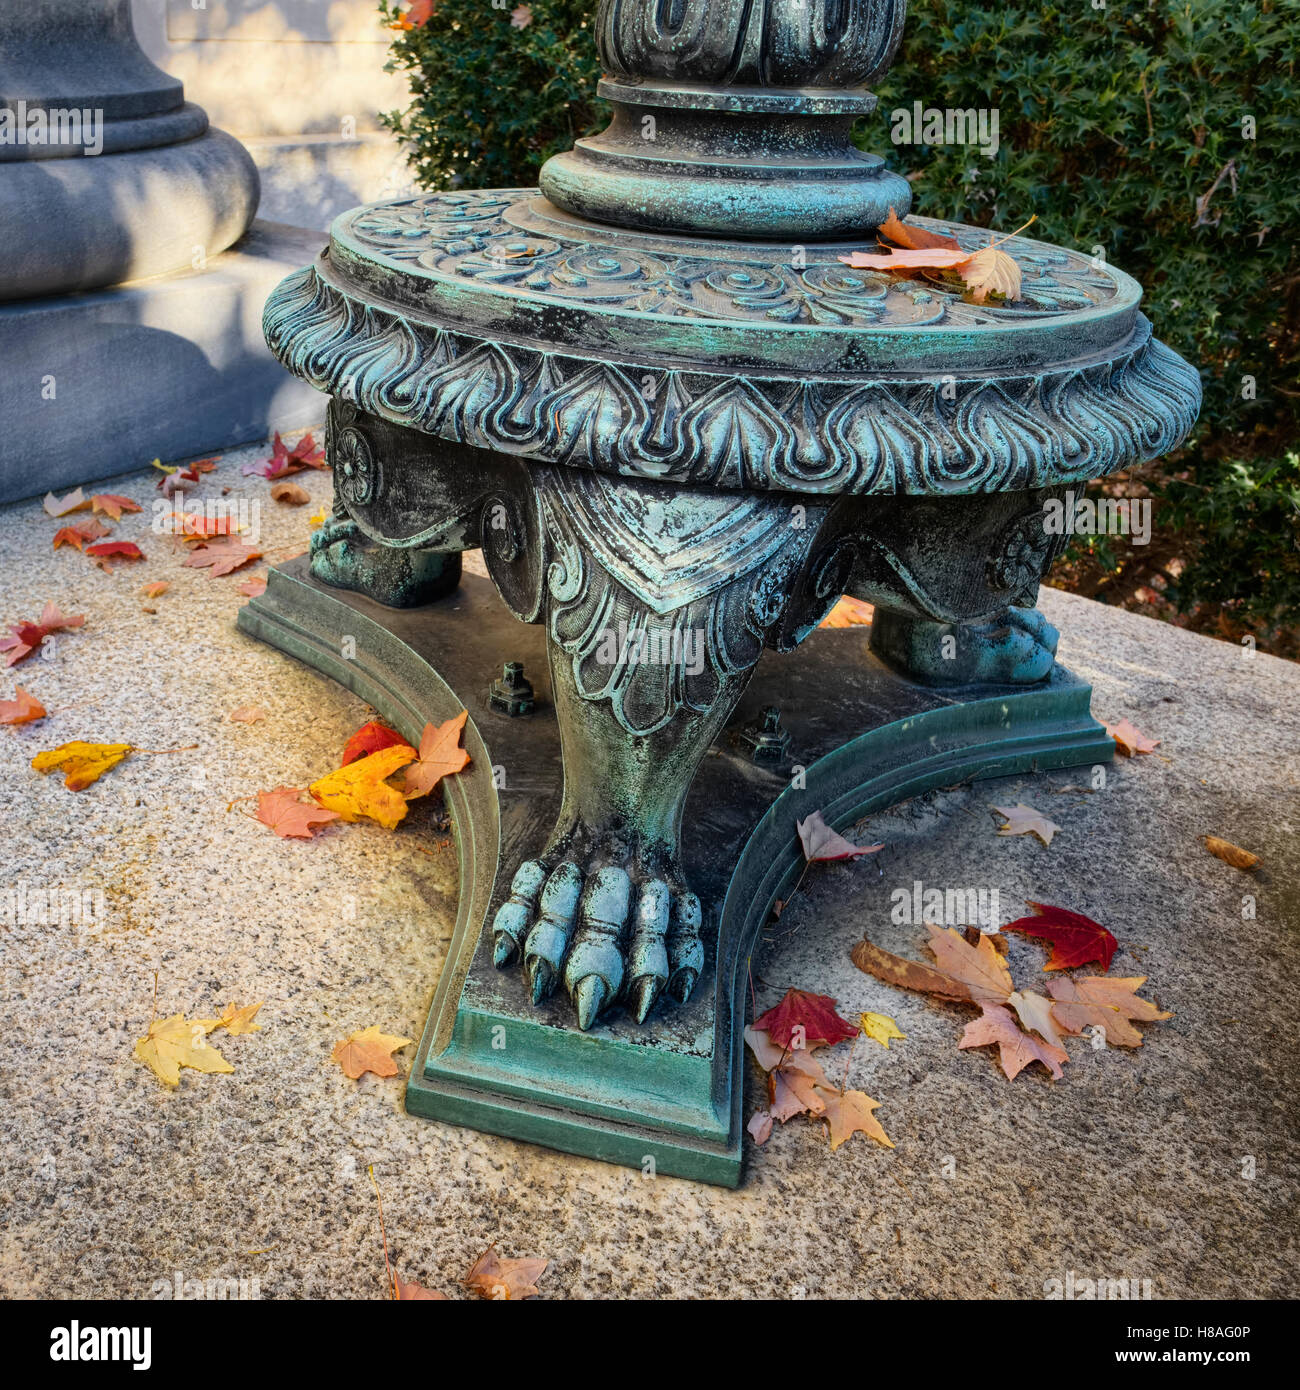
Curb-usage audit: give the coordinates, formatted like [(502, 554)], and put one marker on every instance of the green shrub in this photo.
[(1113, 123), (491, 102)]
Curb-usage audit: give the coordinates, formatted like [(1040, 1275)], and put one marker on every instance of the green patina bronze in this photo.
[(675, 421)]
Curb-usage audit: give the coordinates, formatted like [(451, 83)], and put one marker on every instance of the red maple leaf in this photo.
[(284, 461), (79, 535), (27, 636), (1076, 939), (370, 738), (106, 550), (813, 1014)]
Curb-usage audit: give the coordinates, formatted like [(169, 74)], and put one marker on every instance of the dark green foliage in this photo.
[(490, 103), (1113, 123)]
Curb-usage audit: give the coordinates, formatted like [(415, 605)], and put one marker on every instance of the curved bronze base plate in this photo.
[(667, 1092)]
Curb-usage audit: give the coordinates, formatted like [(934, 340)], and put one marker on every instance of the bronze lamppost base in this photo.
[(668, 1090)]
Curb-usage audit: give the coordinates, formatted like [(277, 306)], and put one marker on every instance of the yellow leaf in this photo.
[(172, 1043), (880, 1027), (360, 790), (81, 763), (234, 1020)]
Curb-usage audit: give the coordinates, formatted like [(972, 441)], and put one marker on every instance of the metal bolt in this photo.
[(513, 693), (765, 740)]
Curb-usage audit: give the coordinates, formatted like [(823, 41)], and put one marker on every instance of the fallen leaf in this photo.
[(24, 708), (1130, 740), (114, 550), (172, 1043), (791, 1091), (290, 817), (368, 1051), (979, 967), (1104, 1001), (1016, 1049), (912, 237), (1076, 939), (1035, 1014), (27, 636), (1024, 820), (848, 1113), (237, 1021), (409, 1293), (247, 714), (1231, 854), (75, 501), (199, 526), (848, 612), (907, 974), (318, 519), (156, 587), (360, 790), (991, 271), (253, 588), (493, 1277), (81, 763), (880, 1028), (760, 1126), (285, 461), (926, 258), (805, 1020), (221, 559), (821, 843), (113, 505), (440, 756), (370, 738), (80, 534), (290, 493)]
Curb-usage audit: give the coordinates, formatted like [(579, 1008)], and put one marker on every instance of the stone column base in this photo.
[(96, 384)]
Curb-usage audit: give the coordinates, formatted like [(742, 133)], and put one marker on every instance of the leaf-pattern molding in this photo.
[(928, 434)]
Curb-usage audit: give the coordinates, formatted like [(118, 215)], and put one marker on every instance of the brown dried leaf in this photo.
[(1231, 854)]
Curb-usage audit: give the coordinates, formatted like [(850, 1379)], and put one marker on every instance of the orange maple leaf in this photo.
[(289, 817), (79, 535), (912, 237), (1129, 739), (412, 1292), (440, 756), (848, 1113), (1016, 1049), (113, 505), (24, 708), (493, 1277), (848, 612), (368, 1050)]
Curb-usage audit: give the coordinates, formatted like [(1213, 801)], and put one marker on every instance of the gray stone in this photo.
[(1130, 1166), (170, 367), (106, 173)]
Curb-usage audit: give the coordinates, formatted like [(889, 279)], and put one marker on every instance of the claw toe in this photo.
[(685, 949), (514, 915)]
